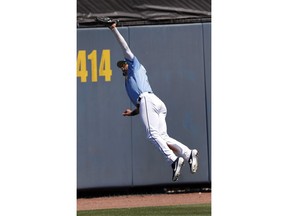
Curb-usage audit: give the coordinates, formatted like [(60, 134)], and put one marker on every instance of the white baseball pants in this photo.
[(153, 113)]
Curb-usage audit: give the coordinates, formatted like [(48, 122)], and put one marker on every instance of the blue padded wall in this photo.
[(112, 150)]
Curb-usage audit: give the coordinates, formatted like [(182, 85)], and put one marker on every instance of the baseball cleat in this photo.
[(176, 166), (105, 21), (193, 161)]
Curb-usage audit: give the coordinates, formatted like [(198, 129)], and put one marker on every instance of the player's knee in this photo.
[(152, 135), (165, 136)]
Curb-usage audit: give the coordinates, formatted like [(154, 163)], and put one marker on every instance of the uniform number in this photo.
[(104, 68)]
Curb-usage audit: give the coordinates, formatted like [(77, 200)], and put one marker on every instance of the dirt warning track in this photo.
[(131, 201)]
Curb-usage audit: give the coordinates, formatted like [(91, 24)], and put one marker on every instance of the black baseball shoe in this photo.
[(193, 161), (176, 166), (106, 21)]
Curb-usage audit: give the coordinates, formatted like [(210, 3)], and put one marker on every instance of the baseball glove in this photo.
[(106, 21)]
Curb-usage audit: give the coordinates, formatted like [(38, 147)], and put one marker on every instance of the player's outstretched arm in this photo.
[(126, 50)]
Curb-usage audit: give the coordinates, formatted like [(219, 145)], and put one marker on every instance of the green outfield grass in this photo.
[(183, 210)]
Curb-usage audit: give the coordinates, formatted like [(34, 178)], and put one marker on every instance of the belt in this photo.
[(141, 95)]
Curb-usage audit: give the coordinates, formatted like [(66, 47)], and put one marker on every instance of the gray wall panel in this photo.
[(104, 138)]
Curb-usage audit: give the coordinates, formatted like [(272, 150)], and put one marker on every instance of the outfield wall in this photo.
[(112, 150)]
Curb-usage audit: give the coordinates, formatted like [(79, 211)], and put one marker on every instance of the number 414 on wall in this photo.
[(104, 68)]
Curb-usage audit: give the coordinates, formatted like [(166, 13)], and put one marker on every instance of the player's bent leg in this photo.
[(154, 137), (176, 146), (150, 119)]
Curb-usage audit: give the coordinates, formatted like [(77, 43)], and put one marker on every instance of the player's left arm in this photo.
[(129, 112)]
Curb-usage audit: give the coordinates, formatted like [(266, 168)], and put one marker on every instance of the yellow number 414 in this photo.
[(104, 68)]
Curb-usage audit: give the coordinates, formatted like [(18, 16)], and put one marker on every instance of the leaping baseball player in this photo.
[(151, 109)]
